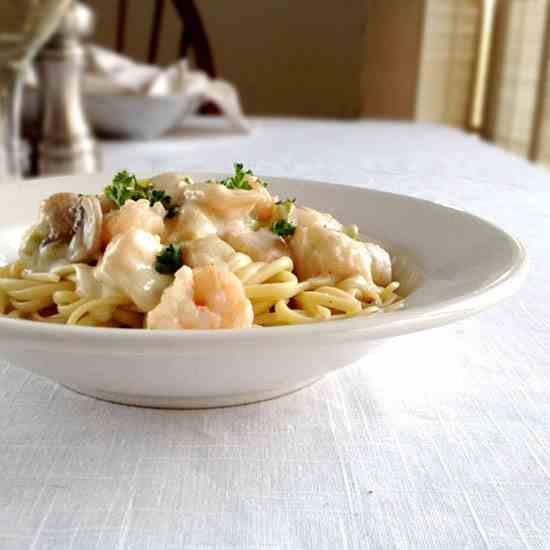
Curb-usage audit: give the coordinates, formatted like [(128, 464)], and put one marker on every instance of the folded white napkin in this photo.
[(110, 73)]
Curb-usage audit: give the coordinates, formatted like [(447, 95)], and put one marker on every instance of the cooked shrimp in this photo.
[(134, 215), (264, 206), (209, 250), (202, 298), (172, 184), (190, 223), (261, 245), (222, 203)]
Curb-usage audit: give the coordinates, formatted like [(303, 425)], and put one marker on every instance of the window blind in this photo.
[(514, 79), (448, 60)]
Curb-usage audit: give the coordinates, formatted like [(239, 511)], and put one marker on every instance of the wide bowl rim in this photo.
[(380, 326)]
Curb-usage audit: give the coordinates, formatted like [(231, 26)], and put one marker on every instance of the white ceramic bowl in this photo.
[(451, 264), (124, 116)]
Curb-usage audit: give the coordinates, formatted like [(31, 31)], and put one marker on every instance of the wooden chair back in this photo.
[(193, 38)]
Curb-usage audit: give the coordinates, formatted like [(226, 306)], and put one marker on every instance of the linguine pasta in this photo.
[(276, 295)]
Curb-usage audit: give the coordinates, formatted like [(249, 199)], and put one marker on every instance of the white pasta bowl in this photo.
[(450, 264), (123, 116)]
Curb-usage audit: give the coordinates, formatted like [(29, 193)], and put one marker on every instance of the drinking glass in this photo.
[(24, 27)]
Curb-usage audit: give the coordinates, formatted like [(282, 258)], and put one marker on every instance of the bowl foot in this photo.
[(208, 402)]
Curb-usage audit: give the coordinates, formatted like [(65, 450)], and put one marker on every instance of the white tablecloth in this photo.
[(438, 440)]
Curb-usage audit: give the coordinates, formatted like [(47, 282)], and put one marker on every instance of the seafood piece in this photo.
[(320, 251), (207, 251), (172, 184), (128, 265), (188, 224), (134, 215), (69, 230), (222, 203), (264, 206), (381, 264), (202, 298), (306, 217), (261, 245)]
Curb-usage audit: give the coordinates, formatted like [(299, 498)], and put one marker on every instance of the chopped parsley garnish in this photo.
[(283, 211), (159, 196), (169, 260), (126, 186), (238, 181), (283, 228)]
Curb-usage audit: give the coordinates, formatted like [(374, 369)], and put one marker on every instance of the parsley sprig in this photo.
[(282, 218), (169, 260), (283, 228), (126, 186), (238, 181)]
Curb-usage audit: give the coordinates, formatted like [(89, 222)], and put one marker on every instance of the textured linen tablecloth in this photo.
[(439, 439)]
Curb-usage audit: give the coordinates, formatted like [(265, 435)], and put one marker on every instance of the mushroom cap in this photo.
[(85, 244), (58, 214)]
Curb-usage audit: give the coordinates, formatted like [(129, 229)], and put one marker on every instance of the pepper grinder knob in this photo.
[(67, 145)]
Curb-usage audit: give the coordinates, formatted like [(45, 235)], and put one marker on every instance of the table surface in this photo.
[(440, 439)]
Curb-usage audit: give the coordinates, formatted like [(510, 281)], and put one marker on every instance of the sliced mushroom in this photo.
[(58, 215), (75, 220), (86, 242)]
